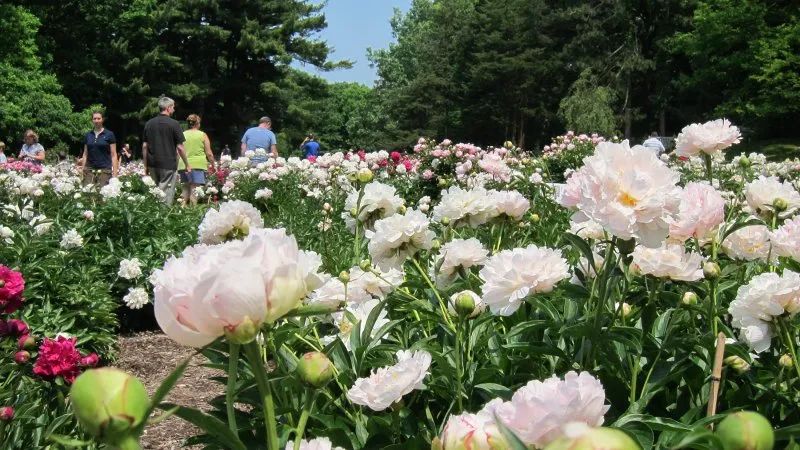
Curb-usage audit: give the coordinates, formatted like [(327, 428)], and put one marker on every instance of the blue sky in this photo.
[(354, 26)]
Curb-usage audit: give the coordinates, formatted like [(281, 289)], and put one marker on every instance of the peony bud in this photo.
[(344, 276), (508, 144), (26, 342), (16, 327), (315, 369), (402, 209), (744, 162), (365, 265), (535, 218), (354, 213), (442, 182), (22, 357), (6, 413), (578, 436), (327, 206), (780, 205), (365, 175), (689, 298), (436, 244), (738, 364), (464, 304), (711, 270), (110, 404), (746, 430), (786, 361), (90, 360), (445, 221), (626, 310)]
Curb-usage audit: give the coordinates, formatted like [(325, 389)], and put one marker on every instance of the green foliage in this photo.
[(589, 108)]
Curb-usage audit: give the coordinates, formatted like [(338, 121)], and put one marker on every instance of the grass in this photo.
[(774, 149)]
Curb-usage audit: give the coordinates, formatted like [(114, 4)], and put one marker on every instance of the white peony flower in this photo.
[(71, 239), (377, 202), (628, 191), (472, 432), (701, 211), (786, 239), (112, 190), (333, 292), (586, 228), (511, 276), (750, 243), (233, 220), (387, 385), (538, 411), (136, 298), (360, 311), (88, 215), (765, 298), (398, 237), (313, 444), (376, 282), (130, 269), (511, 203), (465, 207), (6, 235), (668, 261), (762, 193), (42, 228), (264, 194), (148, 181), (458, 254), (708, 137)]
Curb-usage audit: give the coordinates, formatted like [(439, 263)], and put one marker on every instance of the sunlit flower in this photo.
[(761, 194), (668, 261), (708, 137), (71, 239), (398, 237), (786, 239), (136, 298), (456, 255), (233, 220), (130, 269), (387, 385), (751, 243), (701, 211), (758, 303)]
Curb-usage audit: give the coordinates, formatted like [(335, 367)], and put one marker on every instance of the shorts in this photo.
[(196, 176)]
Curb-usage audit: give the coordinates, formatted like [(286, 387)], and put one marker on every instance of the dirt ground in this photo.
[(151, 356)]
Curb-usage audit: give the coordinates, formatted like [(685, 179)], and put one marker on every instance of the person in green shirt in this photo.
[(198, 153)]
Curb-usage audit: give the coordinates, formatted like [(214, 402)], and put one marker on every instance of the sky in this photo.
[(354, 26)]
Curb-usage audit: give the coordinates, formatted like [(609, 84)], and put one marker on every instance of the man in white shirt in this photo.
[(654, 144)]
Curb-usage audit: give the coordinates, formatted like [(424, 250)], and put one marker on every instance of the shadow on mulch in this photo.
[(151, 356)]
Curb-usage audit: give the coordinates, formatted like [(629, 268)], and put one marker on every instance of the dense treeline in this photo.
[(474, 70)]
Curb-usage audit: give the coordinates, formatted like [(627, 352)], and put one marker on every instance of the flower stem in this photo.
[(707, 159), (788, 336), (311, 395), (233, 366), (442, 303), (253, 352), (129, 443), (459, 364)]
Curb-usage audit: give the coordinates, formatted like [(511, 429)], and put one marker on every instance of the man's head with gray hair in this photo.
[(164, 103), (264, 121)]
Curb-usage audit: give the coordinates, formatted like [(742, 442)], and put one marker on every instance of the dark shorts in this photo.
[(197, 176)]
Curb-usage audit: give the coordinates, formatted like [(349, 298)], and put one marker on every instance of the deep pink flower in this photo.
[(22, 357), (395, 155), (89, 360), (6, 413), (16, 327), (312, 159), (58, 358), (25, 342), (11, 286)]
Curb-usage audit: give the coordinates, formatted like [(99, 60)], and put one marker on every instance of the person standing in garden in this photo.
[(654, 144), (162, 143), (199, 154), (310, 146), (3, 158), (32, 151), (260, 136), (99, 159), (125, 155)]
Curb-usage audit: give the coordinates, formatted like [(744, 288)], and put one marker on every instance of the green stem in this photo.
[(707, 159), (442, 303), (311, 395), (788, 336), (712, 305), (230, 397), (459, 365), (253, 352), (128, 443)]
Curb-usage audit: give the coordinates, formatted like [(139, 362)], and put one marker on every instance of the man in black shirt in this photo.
[(162, 136), (99, 159)]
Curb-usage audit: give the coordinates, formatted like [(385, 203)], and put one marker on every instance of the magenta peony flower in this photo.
[(90, 360), (16, 328), (6, 413), (11, 286), (58, 358)]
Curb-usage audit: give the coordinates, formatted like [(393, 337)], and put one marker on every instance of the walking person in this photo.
[(99, 159), (654, 144), (199, 154), (162, 143), (310, 146), (3, 157), (32, 151), (261, 137)]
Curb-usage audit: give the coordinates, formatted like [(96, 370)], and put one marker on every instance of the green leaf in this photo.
[(495, 390), (211, 425)]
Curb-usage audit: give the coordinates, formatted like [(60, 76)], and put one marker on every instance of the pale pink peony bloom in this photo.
[(786, 239), (668, 261), (511, 276), (758, 303), (701, 211), (313, 444), (708, 138), (472, 432), (471, 207), (378, 200), (458, 254), (630, 192), (539, 410), (751, 243), (233, 220), (510, 203), (762, 193), (398, 237), (388, 385)]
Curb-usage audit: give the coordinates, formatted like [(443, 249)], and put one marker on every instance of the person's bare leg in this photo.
[(186, 193), (192, 196)]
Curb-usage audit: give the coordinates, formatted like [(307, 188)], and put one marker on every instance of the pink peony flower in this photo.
[(395, 155), (58, 358), (16, 327), (786, 239), (6, 413), (90, 360), (427, 174), (707, 138), (701, 211), (11, 286)]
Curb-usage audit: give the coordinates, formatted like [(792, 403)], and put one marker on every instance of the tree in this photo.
[(589, 108)]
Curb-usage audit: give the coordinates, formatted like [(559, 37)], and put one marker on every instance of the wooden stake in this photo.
[(716, 375)]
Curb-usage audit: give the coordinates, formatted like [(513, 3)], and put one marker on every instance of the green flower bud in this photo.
[(711, 270), (315, 369), (435, 244), (442, 182), (464, 304), (746, 430), (689, 298), (402, 209), (626, 310), (786, 361), (445, 221), (744, 162), (243, 333), (535, 218), (365, 265), (593, 439), (354, 212), (344, 276), (508, 144), (352, 176), (365, 175), (110, 404), (780, 205), (738, 364)]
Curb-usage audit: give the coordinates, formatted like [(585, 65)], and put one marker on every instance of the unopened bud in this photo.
[(365, 265), (435, 244), (6, 413), (26, 342), (445, 221), (354, 212), (508, 144), (535, 218), (746, 430), (22, 357), (365, 175), (744, 162), (579, 436), (344, 276), (327, 206), (711, 270), (442, 182), (738, 364), (315, 369), (243, 333), (786, 361), (465, 304), (402, 209), (689, 298), (780, 205), (626, 310)]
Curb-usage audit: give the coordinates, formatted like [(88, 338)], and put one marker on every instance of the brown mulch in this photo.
[(151, 356)]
